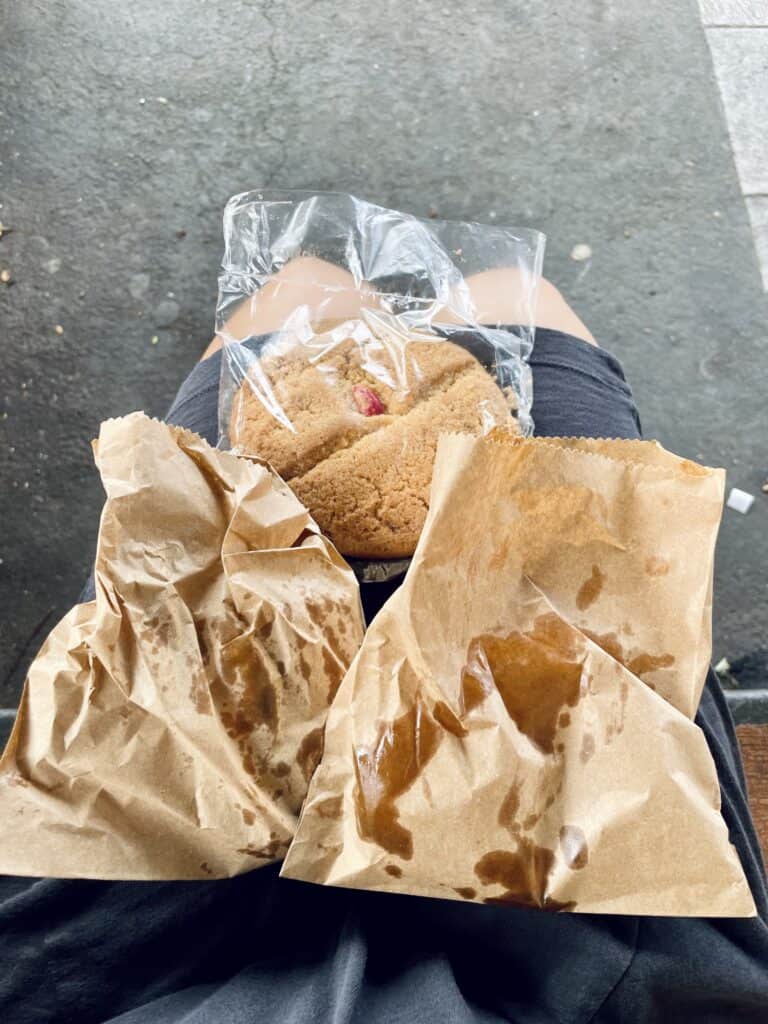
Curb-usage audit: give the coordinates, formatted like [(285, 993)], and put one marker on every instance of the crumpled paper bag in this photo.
[(169, 728), (516, 727)]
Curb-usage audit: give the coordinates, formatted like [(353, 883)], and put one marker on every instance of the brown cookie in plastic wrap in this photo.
[(169, 728), (351, 423)]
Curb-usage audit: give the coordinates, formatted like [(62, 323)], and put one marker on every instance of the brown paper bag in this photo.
[(516, 727), (169, 728)]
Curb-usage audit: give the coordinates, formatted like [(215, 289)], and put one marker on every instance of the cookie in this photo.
[(366, 417)]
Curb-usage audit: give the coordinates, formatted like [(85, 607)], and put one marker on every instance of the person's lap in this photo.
[(260, 949), (579, 389)]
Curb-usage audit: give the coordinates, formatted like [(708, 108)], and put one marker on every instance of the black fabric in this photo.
[(579, 390), (257, 949)]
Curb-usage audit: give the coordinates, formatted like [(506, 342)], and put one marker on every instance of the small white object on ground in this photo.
[(581, 252), (723, 666), (58, 329), (740, 501)]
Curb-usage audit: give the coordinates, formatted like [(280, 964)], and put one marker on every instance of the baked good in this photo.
[(366, 416)]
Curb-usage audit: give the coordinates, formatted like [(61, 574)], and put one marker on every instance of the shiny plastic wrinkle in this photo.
[(344, 381)]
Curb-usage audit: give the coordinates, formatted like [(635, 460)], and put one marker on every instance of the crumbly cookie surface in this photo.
[(366, 421)]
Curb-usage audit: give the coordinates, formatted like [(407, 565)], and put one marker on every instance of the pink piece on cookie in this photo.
[(367, 401)]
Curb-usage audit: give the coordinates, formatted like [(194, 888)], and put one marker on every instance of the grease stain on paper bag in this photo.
[(516, 723), (169, 728)]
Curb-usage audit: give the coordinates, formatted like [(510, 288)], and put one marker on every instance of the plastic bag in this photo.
[(352, 341)]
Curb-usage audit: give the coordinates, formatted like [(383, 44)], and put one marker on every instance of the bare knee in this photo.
[(328, 294), (324, 291), (507, 295), (553, 312), (310, 271)]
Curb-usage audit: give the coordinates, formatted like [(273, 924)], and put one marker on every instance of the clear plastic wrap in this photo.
[(352, 339)]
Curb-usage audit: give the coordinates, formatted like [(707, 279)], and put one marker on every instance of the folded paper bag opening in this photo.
[(517, 725), (169, 728)]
